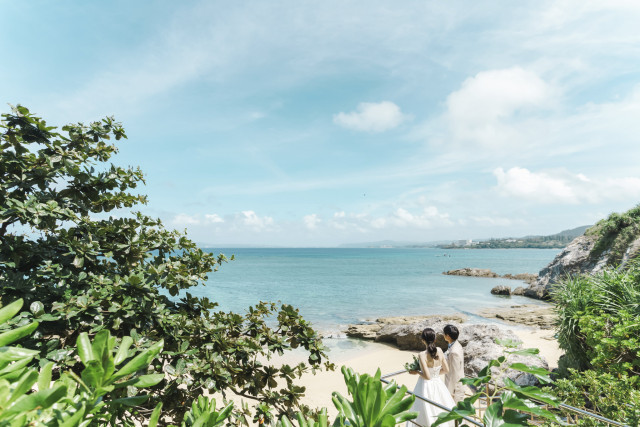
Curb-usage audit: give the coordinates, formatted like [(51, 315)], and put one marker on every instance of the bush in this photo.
[(614, 396), (599, 328), (587, 306)]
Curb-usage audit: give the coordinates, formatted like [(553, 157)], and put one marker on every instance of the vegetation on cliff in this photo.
[(615, 234), (81, 270), (599, 329)]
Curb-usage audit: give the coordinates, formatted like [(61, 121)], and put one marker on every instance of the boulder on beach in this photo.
[(501, 290)]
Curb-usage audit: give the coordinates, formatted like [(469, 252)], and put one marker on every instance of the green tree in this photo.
[(82, 271)]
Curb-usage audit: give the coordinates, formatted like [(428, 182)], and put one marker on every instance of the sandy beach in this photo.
[(367, 357), (389, 359)]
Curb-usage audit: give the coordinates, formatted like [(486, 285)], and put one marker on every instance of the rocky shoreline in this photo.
[(541, 317), (478, 340), (485, 272)]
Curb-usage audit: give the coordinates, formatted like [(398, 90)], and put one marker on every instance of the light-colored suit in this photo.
[(455, 360)]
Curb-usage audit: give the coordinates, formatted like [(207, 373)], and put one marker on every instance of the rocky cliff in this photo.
[(599, 248)]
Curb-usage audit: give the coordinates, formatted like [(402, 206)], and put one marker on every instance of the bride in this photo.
[(429, 385)]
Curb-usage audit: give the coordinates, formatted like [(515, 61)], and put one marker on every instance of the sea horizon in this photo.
[(334, 287)]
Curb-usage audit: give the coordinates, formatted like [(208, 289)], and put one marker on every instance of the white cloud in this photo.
[(184, 220), (485, 108), (213, 219), (425, 218), (253, 221), (311, 221), (372, 117), (563, 187)]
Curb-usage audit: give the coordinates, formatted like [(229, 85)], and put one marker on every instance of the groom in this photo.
[(455, 360)]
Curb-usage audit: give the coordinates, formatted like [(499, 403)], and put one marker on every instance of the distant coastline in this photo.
[(554, 241)]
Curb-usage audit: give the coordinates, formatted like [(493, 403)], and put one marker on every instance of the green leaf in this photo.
[(37, 308), (15, 334), (510, 400), (493, 415), (44, 379), (42, 399), (129, 401), (531, 392), (140, 361), (526, 352), (26, 381), (99, 345), (540, 373), (123, 350), (462, 409), (144, 381), (513, 418), (92, 374), (10, 354), (508, 342), (85, 351), (155, 415), (10, 310)]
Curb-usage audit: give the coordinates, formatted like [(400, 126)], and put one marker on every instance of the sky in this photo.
[(298, 123)]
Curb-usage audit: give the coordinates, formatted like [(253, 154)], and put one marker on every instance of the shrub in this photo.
[(105, 391)]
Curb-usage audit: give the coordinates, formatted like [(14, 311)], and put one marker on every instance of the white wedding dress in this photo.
[(435, 390)]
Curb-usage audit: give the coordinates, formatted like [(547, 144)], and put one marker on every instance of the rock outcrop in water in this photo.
[(484, 272)]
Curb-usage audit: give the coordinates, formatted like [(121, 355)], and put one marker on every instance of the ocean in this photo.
[(333, 287)]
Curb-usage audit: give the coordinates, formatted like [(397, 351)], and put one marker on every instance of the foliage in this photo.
[(615, 233), (614, 396), (413, 366), (612, 342), (373, 405), (100, 394), (203, 413), (599, 319), (573, 297), (599, 328), (81, 271), (511, 404)]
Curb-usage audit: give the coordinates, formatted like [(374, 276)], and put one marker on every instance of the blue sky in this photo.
[(297, 123)]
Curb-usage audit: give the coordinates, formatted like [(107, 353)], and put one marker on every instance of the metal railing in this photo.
[(561, 406)]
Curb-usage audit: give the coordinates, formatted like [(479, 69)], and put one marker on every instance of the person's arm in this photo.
[(445, 365), (424, 369)]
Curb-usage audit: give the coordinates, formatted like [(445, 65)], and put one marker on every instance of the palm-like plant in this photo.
[(619, 290), (572, 297), (373, 405)]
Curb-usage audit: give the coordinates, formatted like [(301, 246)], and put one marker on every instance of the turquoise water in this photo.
[(334, 287)]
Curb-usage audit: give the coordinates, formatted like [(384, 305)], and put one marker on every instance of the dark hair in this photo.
[(452, 331), (429, 336)]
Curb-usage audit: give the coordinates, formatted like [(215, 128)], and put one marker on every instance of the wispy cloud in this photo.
[(372, 117), (563, 187)]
